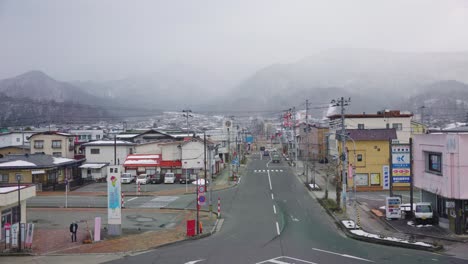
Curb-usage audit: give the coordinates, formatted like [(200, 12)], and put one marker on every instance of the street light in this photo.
[(18, 178)]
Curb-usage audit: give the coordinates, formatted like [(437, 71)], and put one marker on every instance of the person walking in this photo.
[(73, 229)]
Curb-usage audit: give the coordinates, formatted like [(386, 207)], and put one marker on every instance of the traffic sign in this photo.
[(201, 200), (201, 189)]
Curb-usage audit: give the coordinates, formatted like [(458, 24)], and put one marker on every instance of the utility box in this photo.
[(191, 228)]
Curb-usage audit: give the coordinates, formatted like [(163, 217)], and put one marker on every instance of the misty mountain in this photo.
[(38, 86), (373, 79), (441, 102), (25, 111), (172, 88)]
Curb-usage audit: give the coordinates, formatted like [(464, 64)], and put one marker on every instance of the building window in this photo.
[(56, 143), (359, 157), (434, 163), (18, 139), (397, 126), (360, 126), (98, 136), (95, 151), (89, 137), (38, 144), (387, 126), (4, 177), (57, 154)]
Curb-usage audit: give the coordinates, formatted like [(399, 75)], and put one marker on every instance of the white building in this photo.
[(87, 135), (104, 151), (9, 203), (15, 138)]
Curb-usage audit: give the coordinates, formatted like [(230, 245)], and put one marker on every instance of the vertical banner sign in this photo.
[(114, 216), (14, 235), (29, 235), (97, 229), (401, 163), (386, 177)]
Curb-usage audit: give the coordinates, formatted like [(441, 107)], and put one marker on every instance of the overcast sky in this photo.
[(102, 40)]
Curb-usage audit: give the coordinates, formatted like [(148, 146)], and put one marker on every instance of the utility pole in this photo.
[(342, 103), (422, 114), (307, 136), (294, 135)]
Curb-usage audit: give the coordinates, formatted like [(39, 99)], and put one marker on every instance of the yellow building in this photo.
[(418, 128), (368, 154)]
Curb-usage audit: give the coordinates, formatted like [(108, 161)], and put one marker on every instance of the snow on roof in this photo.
[(10, 189), (107, 142), (141, 161), (61, 160), (127, 135), (93, 166), (17, 163), (133, 157)]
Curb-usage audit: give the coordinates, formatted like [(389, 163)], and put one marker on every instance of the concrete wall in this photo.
[(193, 155), (170, 151), (14, 139), (149, 148), (451, 182)]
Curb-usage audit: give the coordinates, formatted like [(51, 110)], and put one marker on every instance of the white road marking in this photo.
[(159, 202), (132, 199), (274, 209), (255, 170), (286, 260), (194, 261), (272, 197), (277, 228), (269, 180), (343, 255), (268, 163)]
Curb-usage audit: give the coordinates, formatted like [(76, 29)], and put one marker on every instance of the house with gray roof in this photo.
[(45, 171)]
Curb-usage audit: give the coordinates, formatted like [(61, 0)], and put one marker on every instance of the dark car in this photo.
[(262, 148), (156, 179), (187, 178), (266, 153)]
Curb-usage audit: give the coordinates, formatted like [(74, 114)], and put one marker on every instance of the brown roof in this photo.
[(371, 134), (380, 114)]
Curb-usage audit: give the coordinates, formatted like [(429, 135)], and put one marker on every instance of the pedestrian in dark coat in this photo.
[(73, 229)]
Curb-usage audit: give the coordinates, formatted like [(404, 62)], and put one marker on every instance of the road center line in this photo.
[(274, 209), (343, 255), (272, 197), (132, 199), (269, 179), (277, 228)]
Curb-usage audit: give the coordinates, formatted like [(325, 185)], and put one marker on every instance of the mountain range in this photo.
[(374, 80)]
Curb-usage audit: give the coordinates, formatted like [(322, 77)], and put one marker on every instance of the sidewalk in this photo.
[(376, 223)]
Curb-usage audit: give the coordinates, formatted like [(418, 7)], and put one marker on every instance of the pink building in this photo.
[(441, 172)]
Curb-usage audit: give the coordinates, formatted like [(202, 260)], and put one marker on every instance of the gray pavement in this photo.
[(361, 212)]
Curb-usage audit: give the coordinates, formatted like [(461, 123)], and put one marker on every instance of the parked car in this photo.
[(169, 177), (187, 178), (275, 157), (156, 178), (266, 153), (423, 213), (127, 178), (142, 179)]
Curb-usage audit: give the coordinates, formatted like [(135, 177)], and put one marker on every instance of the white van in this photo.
[(126, 178), (169, 177), (142, 179)]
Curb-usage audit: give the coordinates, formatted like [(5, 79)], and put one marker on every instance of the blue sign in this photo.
[(249, 139), (401, 166), (235, 161), (401, 179), (386, 177)]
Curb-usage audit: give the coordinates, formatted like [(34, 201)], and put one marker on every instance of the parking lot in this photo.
[(132, 187)]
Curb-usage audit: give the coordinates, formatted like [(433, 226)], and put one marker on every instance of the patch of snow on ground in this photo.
[(348, 223), (394, 239), (411, 223), (313, 186)]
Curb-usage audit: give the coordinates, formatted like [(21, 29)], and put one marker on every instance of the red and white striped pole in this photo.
[(123, 201), (219, 207), (139, 188)]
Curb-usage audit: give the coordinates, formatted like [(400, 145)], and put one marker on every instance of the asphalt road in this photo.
[(271, 218)]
